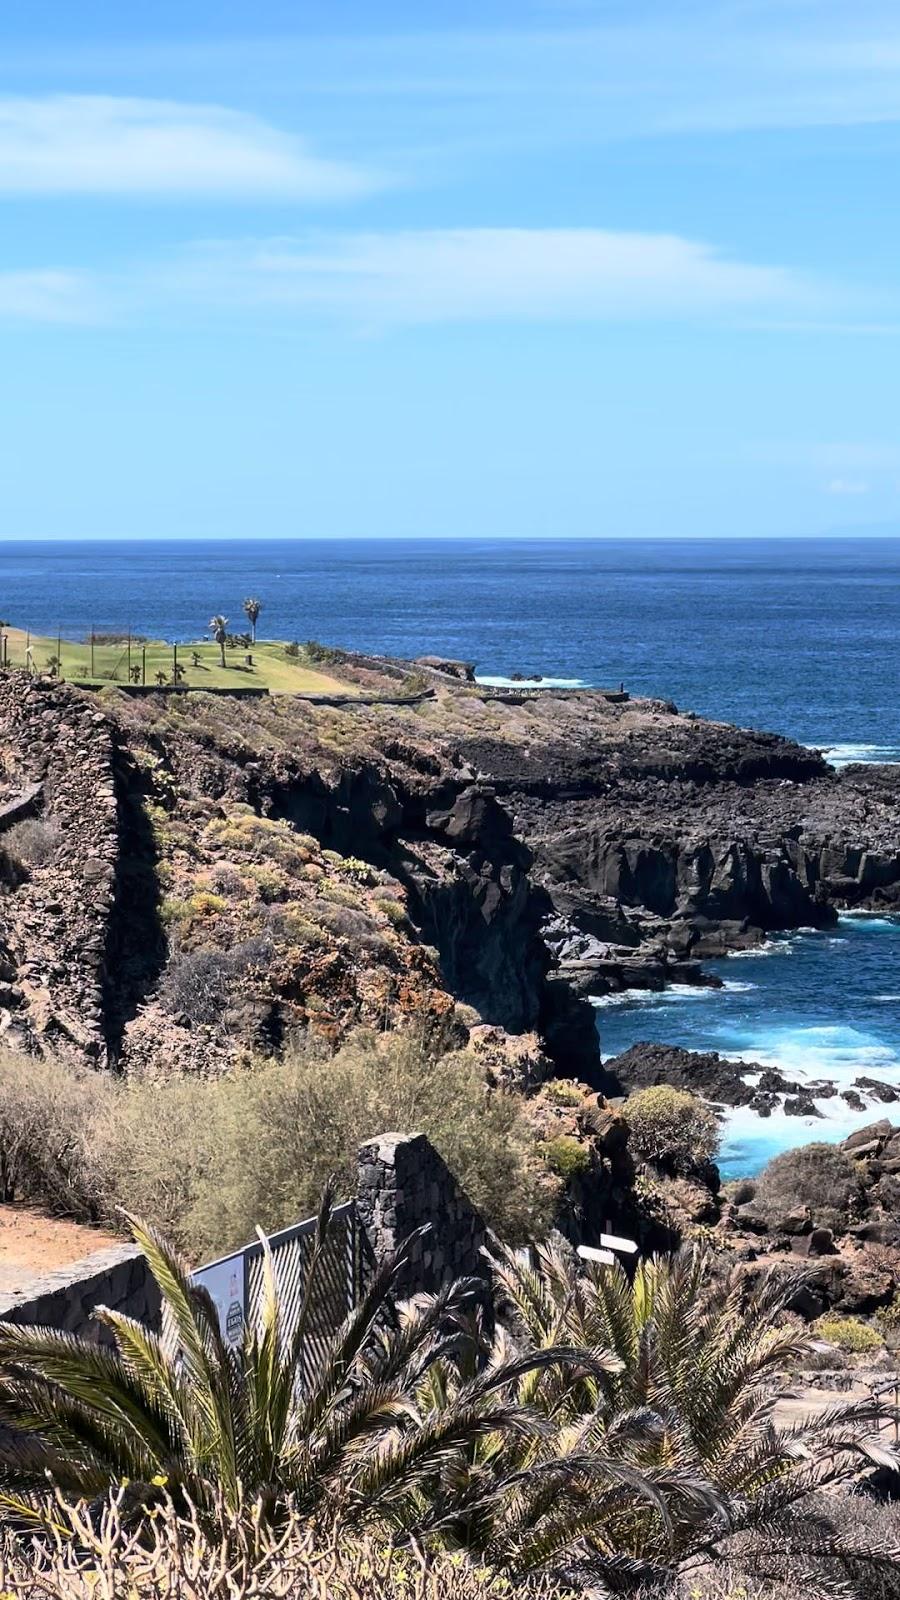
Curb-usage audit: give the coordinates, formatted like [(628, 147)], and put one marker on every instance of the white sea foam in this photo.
[(842, 755), (839, 1053), (874, 923), (492, 680), (673, 991), (734, 986), (765, 949), (749, 1141)]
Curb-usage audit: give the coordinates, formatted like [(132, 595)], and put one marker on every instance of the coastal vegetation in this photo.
[(671, 1128), (207, 1159), (116, 658), (605, 1434)]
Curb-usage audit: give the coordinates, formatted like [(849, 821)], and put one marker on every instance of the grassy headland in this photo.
[(273, 664)]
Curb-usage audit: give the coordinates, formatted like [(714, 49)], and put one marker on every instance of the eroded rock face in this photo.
[(56, 920), (538, 850)]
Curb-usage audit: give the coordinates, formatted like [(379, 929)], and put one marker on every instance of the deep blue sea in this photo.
[(798, 636)]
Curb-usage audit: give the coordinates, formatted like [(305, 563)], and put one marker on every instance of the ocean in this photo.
[(814, 1004), (797, 636)]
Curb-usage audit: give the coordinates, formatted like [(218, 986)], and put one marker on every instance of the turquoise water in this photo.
[(816, 1005)]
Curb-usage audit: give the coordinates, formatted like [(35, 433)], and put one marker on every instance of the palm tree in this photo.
[(161, 678), (219, 629), (619, 1430), (701, 1360), (252, 608), (214, 1427)]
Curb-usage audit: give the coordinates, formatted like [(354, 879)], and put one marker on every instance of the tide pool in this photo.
[(813, 1004)]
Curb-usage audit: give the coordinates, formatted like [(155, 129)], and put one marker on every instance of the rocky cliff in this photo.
[(214, 873)]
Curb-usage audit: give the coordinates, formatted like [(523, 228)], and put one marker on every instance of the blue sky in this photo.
[(572, 267)]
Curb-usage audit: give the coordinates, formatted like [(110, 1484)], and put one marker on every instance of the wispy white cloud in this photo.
[(99, 144), (477, 274), (848, 486), (46, 295), (376, 281)]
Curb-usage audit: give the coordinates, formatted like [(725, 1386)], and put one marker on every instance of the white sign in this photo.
[(224, 1281)]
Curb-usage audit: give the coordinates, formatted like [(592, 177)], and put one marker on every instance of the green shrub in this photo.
[(394, 910), (565, 1156), (195, 908), (560, 1092), (848, 1333), (671, 1129), (819, 1176), (247, 833), (888, 1319)]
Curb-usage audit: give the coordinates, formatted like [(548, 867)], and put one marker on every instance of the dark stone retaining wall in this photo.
[(118, 1277), (402, 1183)]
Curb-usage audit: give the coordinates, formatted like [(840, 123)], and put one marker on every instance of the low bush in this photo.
[(209, 1159), (30, 842), (819, 1176), (78, 1559), (565, 1156), (849, 1333), (306, 1116), (47, 1113), (394, 910), (244, 832), (200, 984), (560, 1092), (671, 1129), (187, 912)]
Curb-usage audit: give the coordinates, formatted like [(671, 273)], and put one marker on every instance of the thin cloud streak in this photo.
[(485, 274), (372, 282), (51, 296), (112, 145)]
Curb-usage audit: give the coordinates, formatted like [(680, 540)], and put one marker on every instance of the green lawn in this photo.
[(201, 662)]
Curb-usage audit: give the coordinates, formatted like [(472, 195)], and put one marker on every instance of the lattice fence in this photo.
[(236, 1282)]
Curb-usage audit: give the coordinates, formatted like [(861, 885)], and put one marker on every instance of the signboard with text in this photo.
[(224, 1281)]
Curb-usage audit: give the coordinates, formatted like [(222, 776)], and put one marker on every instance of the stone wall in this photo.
[(118, 1277), (401, 1184), (56, 743)]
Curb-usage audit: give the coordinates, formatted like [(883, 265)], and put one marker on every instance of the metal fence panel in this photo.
[(236, 1283)]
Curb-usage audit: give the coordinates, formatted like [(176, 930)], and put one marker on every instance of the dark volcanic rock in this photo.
[(877, 1090), (709, 1075)]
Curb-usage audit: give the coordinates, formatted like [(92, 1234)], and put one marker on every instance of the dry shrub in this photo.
[(671, 1129), (200, 984), (208, 1160), (81, 1558), (321, 1109), (30, 842), (819, 1176), (153, 1153), (47, 1112)]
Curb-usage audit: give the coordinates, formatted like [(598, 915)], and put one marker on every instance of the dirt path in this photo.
[(32, 1243)]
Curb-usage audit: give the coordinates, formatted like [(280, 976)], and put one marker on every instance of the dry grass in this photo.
[(84, 1558), (209, 1159)]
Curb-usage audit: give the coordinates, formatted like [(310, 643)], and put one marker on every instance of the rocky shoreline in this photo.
[(540, 850)]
